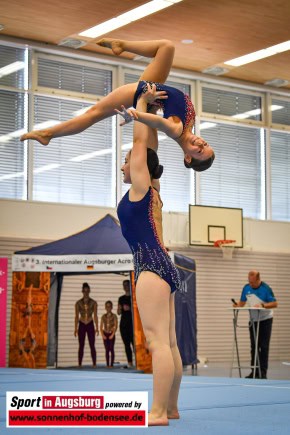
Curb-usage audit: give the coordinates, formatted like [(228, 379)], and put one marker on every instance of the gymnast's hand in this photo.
[(151, 95), (128, 114)]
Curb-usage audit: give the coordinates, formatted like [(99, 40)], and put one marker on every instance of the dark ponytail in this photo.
[(155, 170)]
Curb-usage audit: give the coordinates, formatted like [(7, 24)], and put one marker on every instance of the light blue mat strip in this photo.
[(208, 406)]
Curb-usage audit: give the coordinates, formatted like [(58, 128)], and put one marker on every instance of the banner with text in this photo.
[(72, 263), (3, 308), (77, 409)]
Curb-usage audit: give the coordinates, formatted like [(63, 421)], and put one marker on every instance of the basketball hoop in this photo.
[(227, 247)]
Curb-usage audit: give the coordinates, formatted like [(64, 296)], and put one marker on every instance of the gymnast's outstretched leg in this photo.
[(162, 52)]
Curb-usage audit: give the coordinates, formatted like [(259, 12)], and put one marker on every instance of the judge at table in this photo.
[(258, 294)]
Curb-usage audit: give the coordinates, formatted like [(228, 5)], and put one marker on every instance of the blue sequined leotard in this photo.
[(177, 104), (141, 226)]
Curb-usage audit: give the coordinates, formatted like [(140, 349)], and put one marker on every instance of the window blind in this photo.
[(73, 169), (12, 152), (280, 175), (57, 74), (235, 179), (233, 104), (12, 67), (282, 115)]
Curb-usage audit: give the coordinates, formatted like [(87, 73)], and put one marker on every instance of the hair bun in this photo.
[(158, 171)]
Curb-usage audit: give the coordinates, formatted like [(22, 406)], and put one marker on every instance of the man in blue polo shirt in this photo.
[(258, 294)]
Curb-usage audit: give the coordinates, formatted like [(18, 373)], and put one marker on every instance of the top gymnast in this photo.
[(179, 115)]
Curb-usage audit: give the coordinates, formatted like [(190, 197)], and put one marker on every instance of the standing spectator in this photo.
[(108, 327), (86, 314), (264, 298), (126, 322)]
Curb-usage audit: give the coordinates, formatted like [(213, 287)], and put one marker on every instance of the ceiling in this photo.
[(220, 29)]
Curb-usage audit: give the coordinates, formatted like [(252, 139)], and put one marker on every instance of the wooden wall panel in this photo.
[(29, 320)]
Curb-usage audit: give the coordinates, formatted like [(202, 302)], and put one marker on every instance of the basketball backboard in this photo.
[(208, 224)]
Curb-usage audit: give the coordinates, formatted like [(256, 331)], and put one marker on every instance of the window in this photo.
[(282, 113), (56, 73), (13, 64), (79, 168), (233, 104), (73, 169), (82, 168), (236, 177), (280, 175), (13, 114)]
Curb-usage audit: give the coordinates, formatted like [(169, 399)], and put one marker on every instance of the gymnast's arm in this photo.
[(142, 134), (170, 127)]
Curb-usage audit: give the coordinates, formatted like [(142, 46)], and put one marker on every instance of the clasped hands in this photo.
[(150, 97)]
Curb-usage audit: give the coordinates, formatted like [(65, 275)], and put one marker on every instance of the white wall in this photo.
[(48, 221)]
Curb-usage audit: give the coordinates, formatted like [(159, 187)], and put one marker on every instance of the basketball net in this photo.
[(227, 247)]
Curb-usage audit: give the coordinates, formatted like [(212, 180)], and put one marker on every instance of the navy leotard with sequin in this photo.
[(138, 221), (177, 104)]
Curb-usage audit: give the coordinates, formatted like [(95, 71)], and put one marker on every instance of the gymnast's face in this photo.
[(197, 148), (126, 169)]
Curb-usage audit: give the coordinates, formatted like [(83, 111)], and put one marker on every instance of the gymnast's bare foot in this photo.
[(173, 414), (42, 136), (153, 420), (114, 44)]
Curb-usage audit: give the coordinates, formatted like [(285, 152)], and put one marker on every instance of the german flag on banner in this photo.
[(143, 357)]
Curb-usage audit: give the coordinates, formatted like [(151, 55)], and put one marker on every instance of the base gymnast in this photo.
[(178, 110), (156, 277)]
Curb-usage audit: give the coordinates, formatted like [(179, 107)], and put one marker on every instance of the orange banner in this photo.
[(3, 309), (29, 319), (143, 357)]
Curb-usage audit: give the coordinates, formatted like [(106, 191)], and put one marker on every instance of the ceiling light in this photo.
[(248, 114), (128, 17), (81, 111), (88, 156), (255, 112), (215, 70), (206, 125), (7, 137), (11, 68), (14, 175), (46, 168), (275, 107), (124, 147), (277, 82), (261, 54), (45, 124), (142, 59), (187, 41), (129, 145), (72, 43)]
